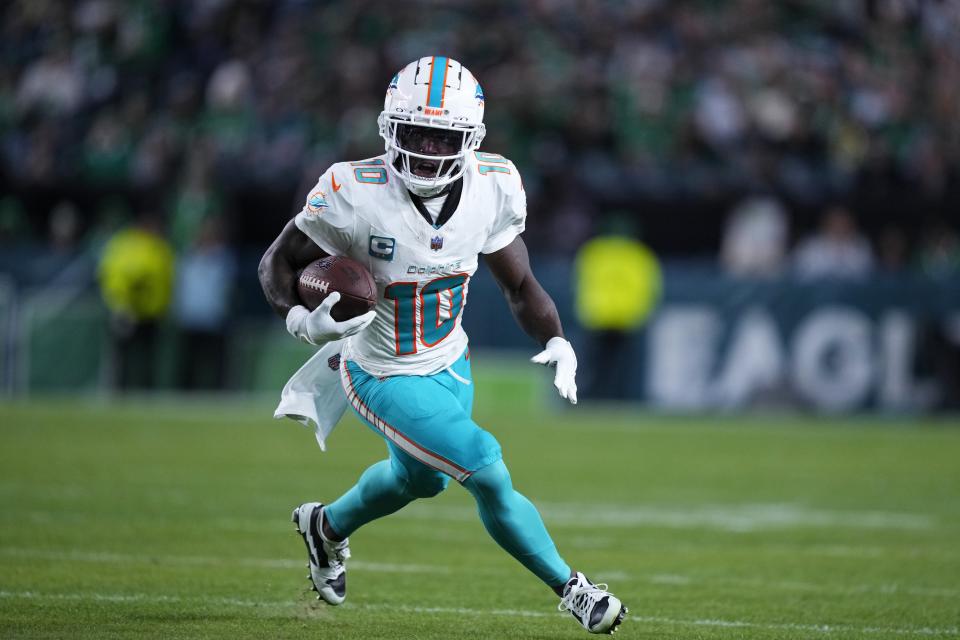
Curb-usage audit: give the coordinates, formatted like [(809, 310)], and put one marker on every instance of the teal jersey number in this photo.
[(404, 296), (370, 172), (435, 328), (491, 163), (434, 325)]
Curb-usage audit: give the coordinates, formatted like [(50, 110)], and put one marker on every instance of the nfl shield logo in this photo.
[(436, 243), (334, 362)]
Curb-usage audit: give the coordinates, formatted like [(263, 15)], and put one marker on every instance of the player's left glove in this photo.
[(560, 353)]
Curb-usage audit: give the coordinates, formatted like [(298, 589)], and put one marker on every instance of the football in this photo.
[(358, 291)]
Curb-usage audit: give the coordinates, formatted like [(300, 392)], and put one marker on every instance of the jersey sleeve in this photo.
[(327, 217), (511, 216)]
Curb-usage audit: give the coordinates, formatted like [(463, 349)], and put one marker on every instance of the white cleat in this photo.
[(327, 559), (598, 610)]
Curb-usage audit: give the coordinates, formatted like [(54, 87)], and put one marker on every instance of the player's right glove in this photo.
[(559, 353), (318, 327)]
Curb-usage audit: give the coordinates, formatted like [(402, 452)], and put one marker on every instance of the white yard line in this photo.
[(134, 598), (678, 580), (734, 518), (567, 516), (106, 557), (513, 613), (791, 585), (730, 518)]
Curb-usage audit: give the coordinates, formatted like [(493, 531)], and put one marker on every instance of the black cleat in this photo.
[(327, 559), (598, 610)]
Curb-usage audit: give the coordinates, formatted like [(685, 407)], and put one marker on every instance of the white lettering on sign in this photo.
[(835, 359), (754, 364), (833, 362), (682, 352)]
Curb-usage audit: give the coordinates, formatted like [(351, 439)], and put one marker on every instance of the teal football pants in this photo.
[(431, 438)]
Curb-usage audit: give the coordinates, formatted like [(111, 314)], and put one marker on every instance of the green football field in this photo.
[(169, 518)]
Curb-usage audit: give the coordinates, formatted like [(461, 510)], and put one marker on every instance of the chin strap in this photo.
[(427, 194), (432, 192), (404, 172)]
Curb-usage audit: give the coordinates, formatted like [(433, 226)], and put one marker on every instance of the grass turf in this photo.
[(169, 519)]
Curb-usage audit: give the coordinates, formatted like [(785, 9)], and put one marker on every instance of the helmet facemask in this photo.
[(428, 153), (432, 118)]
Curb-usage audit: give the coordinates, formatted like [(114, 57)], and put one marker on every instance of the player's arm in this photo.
[(535, 312), (532, 307), (290, 252)]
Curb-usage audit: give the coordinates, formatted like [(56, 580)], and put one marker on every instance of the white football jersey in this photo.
[(361, 210)]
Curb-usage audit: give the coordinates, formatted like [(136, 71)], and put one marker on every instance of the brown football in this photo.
[(358, 291)]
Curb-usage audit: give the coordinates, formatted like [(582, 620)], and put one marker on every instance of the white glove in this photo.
[(318, 327), (559, 352)]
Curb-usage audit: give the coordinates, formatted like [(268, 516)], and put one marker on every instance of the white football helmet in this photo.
[(432, 117)]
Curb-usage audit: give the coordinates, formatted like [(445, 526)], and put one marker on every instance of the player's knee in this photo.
[(491, 482), (378, 481), (487, 448), (419, 480), (427, 484)]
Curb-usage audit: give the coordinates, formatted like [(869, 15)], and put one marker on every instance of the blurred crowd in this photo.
[(679, 114)]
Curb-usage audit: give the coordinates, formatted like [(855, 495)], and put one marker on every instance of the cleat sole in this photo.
[(618, 620)]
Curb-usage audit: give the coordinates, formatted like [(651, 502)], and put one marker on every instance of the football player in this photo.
[(418, 216)]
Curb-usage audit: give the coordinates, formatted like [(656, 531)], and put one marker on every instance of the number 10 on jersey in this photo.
[(439, 302)]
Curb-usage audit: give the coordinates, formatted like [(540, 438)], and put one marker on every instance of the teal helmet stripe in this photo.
[(438, 76)]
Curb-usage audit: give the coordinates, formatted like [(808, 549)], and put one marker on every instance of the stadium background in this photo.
[(785, 177), (669, 122)]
